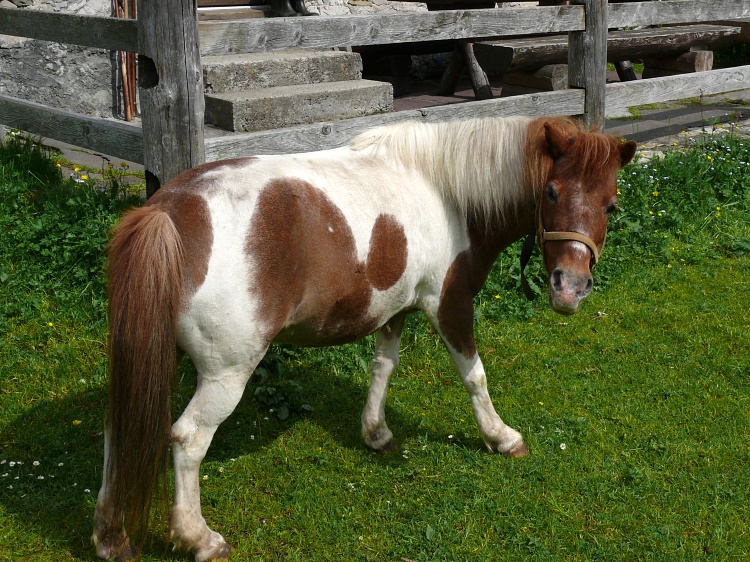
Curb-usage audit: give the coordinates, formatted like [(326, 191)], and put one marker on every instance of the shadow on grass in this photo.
[(55, 497)]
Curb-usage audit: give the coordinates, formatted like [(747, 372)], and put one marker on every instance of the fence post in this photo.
[(170, 86), (587, 60)]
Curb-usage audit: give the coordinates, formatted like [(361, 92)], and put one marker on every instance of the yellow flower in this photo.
[(76, 169), (650, 212), (709, 157), (50, 324), (77, 422), (655, 194), (59, 165), (718, 208), (497, 296), (84, 177)]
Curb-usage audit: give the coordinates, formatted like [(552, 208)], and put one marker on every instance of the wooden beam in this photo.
[(522, 53), (320, 136), (587, 60), (89, 31), (620, 96), (113, 138), (675, 11), (171, 89), (249, 36)]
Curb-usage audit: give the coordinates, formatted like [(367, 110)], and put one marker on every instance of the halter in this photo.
[(542, 236)]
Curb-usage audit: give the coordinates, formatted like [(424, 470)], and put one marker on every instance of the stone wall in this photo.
[(69, 77)]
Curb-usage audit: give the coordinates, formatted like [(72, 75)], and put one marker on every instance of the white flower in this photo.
[(12, 464), (563, 446), (35, 463), (40, 477), (205, 477), (87, 491)]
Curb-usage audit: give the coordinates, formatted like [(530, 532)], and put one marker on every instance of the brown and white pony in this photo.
[(321, 249)]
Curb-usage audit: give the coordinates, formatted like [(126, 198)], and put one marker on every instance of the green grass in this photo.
[(635, 410)]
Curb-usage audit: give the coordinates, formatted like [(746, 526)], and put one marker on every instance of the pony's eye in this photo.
[(552, 193)]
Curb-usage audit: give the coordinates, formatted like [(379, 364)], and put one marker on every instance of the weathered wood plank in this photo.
[(170, 89), (113, 138), (320, 136), (221, 38), (587, 60), (620, 96), (521, 53), (89, 31), (675, 11)]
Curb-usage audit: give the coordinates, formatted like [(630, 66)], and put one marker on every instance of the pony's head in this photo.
[(574, 202)]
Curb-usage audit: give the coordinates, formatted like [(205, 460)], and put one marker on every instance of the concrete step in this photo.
[(284, 106), (234, 73)]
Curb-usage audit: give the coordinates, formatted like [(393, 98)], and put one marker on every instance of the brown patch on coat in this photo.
[(467, 274), (190, 214), (386, 260), (312, 289)]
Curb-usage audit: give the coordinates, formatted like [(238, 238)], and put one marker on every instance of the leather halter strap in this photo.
[(543, 236)]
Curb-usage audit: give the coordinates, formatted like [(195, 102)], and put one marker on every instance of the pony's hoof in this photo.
[(387, 447), (221, 556), (517, 451)]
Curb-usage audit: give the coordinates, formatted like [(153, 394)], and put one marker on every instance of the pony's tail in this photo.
[(145, 292)]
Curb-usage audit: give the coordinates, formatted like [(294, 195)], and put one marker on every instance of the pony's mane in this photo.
[(479, 165), (493, 166)]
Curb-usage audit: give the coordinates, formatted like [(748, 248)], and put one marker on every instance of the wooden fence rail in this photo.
[(165, 36)]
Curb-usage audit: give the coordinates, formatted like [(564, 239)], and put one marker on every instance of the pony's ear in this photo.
[(627, 151), (558, 142)]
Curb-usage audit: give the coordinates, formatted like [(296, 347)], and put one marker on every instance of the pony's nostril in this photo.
[(587, 289), (556, 280)]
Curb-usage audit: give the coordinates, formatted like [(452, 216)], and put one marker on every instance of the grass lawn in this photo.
[(635, 410)]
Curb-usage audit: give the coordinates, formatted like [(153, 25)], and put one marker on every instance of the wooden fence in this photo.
[(165, 36)]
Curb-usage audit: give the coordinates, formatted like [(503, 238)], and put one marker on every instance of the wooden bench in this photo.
[(674, 49)]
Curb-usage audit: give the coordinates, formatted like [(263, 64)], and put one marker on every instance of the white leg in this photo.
[(212, 403), (498, 437), (375, 432)]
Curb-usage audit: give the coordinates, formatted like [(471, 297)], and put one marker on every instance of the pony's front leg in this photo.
[(499, 437), (453, 318), (375, 431), (212, 403)]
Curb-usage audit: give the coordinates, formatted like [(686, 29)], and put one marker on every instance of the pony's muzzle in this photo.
[(568, 289)]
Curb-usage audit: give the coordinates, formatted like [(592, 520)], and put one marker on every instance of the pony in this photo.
[(321, 249)]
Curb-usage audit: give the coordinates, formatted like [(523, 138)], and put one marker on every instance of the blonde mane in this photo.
[(479, 165)]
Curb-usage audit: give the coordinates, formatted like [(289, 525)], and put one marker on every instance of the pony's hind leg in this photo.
[(216, 397), (375, 432)]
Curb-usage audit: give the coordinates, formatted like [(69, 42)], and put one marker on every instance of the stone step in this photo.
[(234, 73), (284, 106)]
